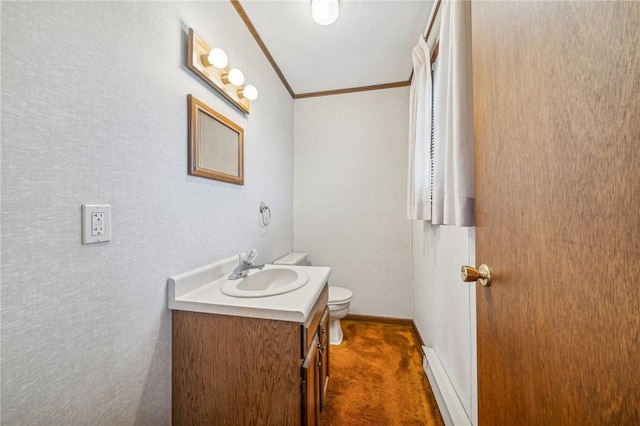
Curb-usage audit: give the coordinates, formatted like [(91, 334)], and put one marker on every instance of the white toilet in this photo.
[(339, 298), (339, 301)]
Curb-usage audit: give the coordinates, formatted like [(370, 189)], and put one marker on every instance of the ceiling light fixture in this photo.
[(324, 12)]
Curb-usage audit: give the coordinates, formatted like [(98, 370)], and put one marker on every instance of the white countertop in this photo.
[(199, 291)]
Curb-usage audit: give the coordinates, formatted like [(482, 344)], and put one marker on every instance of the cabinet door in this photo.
[(323, 333), (310, 385)]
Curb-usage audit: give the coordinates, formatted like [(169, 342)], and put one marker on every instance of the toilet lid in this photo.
[(339, 294)]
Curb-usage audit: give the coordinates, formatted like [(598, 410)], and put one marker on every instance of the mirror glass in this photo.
[(215, 144)]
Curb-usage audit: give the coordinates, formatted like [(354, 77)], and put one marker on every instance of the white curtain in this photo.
[(419, 184), (453, 156), (441, 187)]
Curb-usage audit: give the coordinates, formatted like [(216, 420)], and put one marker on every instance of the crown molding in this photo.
[(254, 32)]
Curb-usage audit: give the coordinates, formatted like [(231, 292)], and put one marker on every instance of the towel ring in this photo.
[(265, 215)]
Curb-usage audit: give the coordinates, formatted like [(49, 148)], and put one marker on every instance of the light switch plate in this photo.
[(96, 223)]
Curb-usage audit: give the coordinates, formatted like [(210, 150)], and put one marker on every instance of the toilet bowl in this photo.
[(339, 301), (339, 298)]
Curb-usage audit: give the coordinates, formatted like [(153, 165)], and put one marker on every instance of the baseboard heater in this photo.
[(449, 404)]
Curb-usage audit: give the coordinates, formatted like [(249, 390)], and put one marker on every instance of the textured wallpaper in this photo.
[(444, 307), (350, 195), (94, 110)]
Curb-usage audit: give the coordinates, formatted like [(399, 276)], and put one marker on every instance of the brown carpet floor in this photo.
[(376, 378)]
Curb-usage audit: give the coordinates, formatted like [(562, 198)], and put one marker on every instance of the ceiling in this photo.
[(369, 45)]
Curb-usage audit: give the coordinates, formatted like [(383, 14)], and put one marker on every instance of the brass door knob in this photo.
[(482, 274)]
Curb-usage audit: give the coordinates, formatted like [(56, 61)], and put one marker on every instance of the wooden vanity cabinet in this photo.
[(323, 346), (312, 364), (230, 370), (310, 374), (315, 368)]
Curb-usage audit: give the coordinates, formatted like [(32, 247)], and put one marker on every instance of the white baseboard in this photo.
[(449, 404)]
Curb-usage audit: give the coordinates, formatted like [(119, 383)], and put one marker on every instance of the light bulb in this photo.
[(217, 58), (249, 92), (324, 12), (234, 76)]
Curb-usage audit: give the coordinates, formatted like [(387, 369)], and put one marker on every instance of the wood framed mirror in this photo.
[(216, 144)]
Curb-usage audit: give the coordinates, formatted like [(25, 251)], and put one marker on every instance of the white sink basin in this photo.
[(265, 282)]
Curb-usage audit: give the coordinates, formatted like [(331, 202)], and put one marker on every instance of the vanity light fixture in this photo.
[(234, 76), (215, 58), (249, 92), (212, 65), (324, 12)]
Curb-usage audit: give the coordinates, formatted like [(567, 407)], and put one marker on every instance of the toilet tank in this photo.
[(293, 259)]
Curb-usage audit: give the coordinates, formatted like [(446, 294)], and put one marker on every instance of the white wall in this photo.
[(444, 306), (350, 168), (94, 110)]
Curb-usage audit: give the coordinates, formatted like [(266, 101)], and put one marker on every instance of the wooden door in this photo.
[(557, 131)]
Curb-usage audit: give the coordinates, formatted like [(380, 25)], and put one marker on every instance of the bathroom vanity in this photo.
[(248, 360)]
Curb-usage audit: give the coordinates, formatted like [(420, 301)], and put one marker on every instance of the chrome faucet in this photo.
[(245, 262)]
